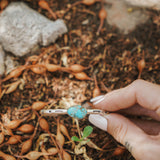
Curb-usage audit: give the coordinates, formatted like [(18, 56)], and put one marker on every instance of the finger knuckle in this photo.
[(119, 132), (137, 83)]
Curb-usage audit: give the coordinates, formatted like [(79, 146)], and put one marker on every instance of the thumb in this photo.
[(125, 132)]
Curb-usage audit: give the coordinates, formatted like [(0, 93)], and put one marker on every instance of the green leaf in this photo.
[(76, 139), (87, 131)]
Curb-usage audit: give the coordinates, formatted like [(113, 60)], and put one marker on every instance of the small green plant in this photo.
[(86, 132)]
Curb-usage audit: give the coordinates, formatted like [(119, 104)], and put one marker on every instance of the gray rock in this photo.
[(118, 15), (1, 61), (10, 64), (154, 4), (22, 29)]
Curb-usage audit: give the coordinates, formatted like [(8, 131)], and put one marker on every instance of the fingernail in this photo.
[(98, 101), (96, 98), (98, 121)]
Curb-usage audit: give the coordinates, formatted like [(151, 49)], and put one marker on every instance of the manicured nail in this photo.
[(98, 101), (98, 121), (96, 98)]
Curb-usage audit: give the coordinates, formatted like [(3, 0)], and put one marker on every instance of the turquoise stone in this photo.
[(77, 112)]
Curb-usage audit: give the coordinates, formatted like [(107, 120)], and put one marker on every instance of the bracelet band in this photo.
[(76, 111)]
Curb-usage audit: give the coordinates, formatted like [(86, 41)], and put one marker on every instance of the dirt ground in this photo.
[(111, 56)]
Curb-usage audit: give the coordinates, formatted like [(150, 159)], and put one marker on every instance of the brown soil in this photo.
[(112, 57)]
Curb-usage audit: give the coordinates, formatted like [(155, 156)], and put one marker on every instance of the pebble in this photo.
[(85, 22)]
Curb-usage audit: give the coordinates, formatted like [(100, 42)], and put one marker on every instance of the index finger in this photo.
[(144, 93)]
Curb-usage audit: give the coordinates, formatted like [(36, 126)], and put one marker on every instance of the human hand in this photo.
[(147, 95)]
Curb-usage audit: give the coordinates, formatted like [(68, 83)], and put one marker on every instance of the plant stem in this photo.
[(78, 129)]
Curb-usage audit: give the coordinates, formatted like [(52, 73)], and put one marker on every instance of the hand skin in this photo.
[(147, 95)]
